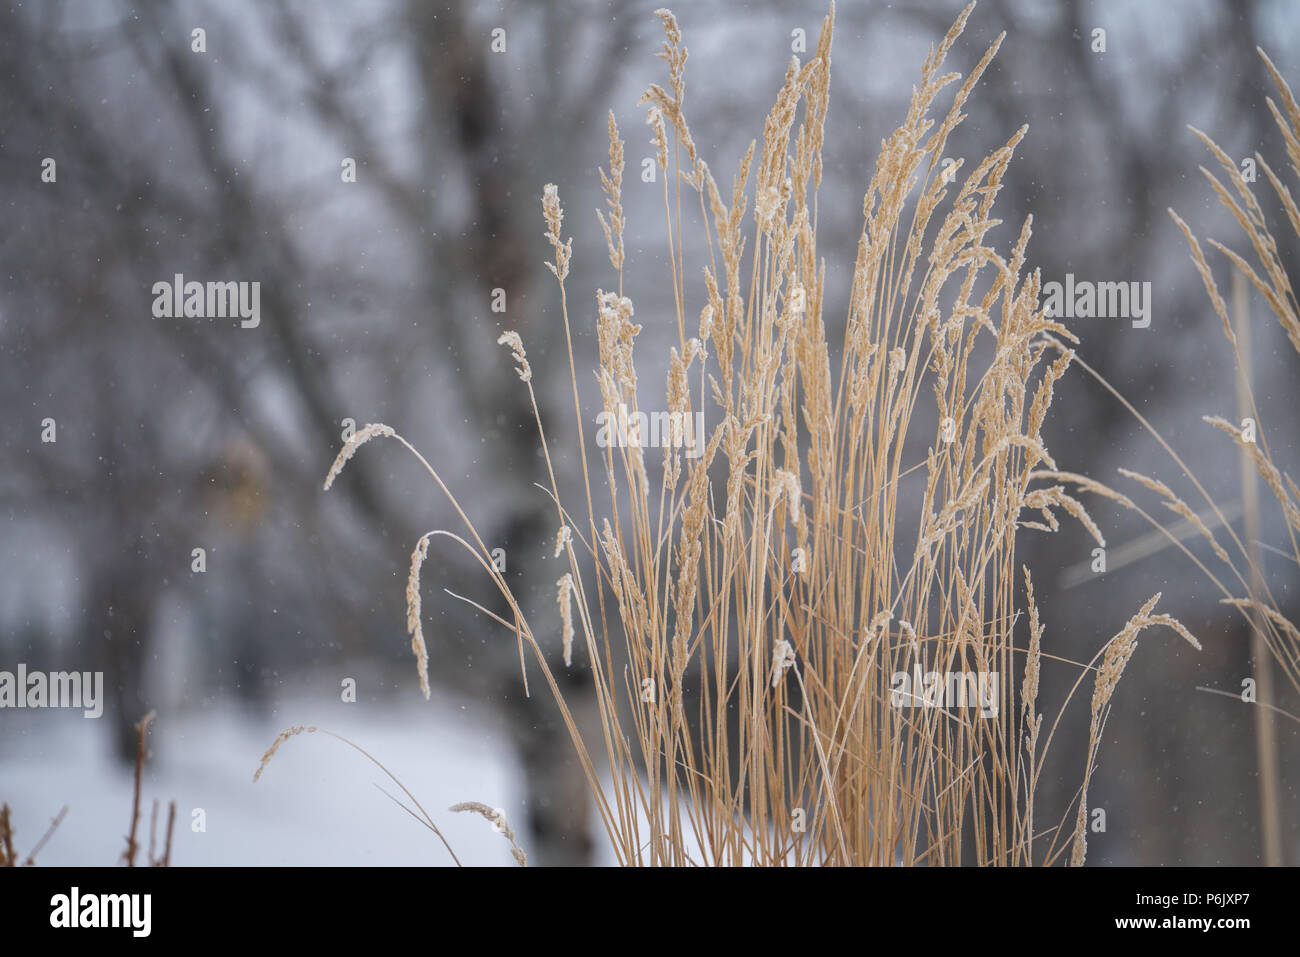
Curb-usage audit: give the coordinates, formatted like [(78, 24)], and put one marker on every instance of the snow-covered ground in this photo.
[(316, 804)]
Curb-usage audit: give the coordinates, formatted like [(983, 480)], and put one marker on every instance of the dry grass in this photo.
[(853, 516), (1244, 583), (497, 818), (419, 813), (1239, 574), (156, 858)]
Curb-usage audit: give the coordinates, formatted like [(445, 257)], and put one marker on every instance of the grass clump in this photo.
[(747, 598)]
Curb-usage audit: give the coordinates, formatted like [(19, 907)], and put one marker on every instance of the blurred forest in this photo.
[(231, 164)]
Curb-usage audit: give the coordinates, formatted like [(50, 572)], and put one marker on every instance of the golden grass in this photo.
[(744, 613)]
